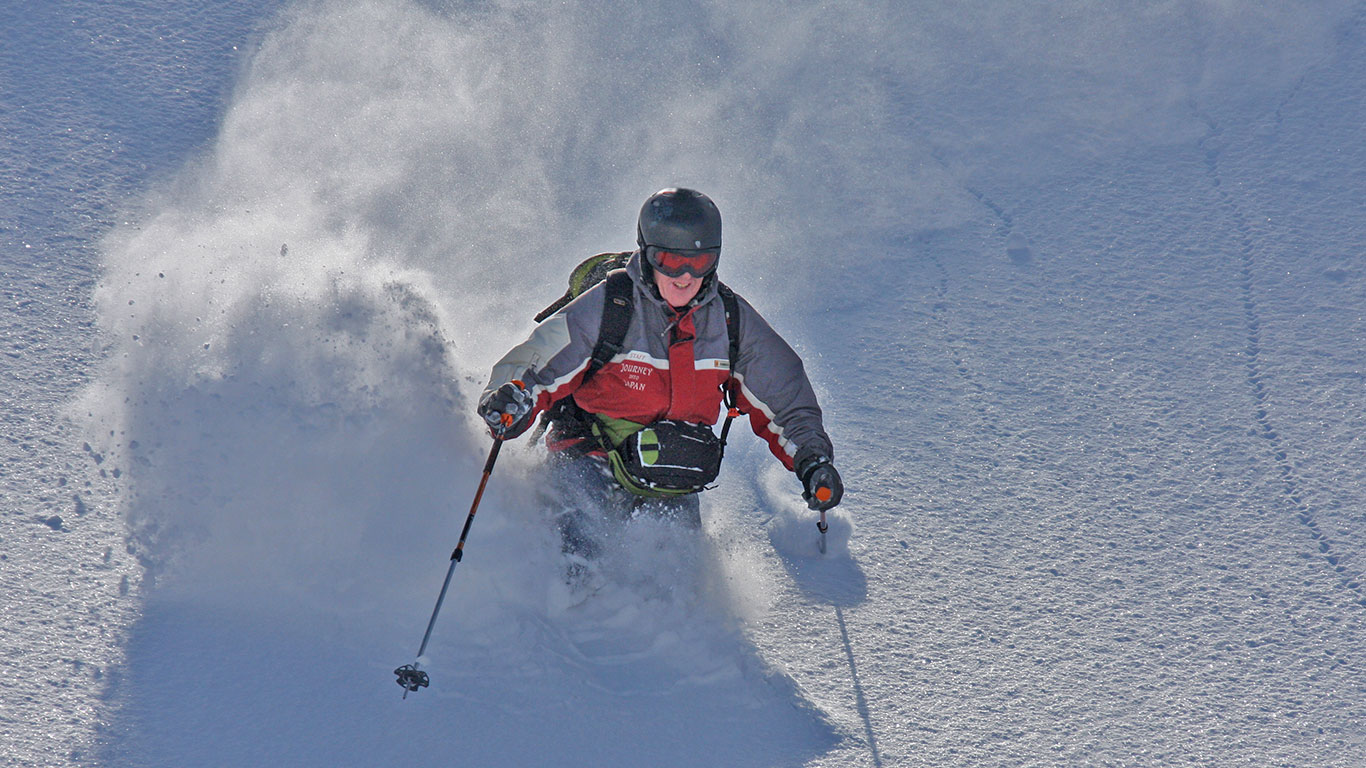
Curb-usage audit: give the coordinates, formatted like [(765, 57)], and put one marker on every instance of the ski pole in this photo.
[(821, 495), (409, 675)]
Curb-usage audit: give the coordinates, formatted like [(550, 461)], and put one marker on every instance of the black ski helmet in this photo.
[(679, 219)]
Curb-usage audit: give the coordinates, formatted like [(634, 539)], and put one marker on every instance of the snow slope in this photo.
[(1080, 289), (96, 101)]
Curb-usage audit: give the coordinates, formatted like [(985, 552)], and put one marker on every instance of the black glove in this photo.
[(821, 485), (507, 410)]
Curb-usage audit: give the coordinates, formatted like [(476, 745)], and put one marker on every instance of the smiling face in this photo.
[(678, 291)]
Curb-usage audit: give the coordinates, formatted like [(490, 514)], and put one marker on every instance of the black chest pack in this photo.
[(668, 457)]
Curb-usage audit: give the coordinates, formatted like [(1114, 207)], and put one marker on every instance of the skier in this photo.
[(632, 375)]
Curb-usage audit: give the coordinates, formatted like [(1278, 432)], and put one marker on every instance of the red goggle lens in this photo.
[(675, 263)]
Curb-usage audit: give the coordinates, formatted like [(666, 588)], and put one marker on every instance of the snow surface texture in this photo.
[(1080, 288)]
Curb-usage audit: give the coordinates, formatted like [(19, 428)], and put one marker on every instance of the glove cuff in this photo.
[(807, 460)]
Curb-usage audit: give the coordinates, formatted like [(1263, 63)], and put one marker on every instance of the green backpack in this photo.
[(587, 274)]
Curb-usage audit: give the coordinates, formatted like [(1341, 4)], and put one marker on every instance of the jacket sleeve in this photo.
[(775, 392), (552, 361)]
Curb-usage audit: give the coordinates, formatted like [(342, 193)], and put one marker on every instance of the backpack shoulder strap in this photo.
[(732, 305), (728, 299), (617, 304), (616, 320)]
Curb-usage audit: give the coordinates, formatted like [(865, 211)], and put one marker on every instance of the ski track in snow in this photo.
[(1247, 247), (985, 397), (1254, 245)]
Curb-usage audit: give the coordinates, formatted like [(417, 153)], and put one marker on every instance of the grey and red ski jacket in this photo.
[(672, 365)]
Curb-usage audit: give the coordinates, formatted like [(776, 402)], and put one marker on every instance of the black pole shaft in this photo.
[(460, 547)]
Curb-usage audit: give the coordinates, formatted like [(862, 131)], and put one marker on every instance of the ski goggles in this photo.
[(673, 263)]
